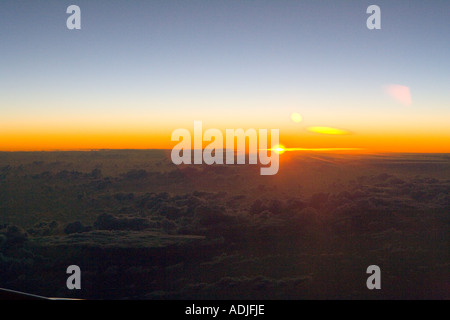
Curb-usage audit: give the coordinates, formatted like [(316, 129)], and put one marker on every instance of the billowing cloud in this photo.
[(400, 93)]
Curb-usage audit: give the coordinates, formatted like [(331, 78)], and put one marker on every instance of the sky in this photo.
[(138, 70)]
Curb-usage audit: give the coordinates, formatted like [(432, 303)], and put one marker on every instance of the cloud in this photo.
[(110, 222), (14, 236), (400, 93), (243, 287), (76, 227)]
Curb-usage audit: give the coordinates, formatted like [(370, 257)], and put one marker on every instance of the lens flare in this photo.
[(400, 93), (296, 117), (328, 130)]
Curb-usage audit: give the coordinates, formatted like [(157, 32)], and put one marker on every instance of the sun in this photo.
[(279, 148)]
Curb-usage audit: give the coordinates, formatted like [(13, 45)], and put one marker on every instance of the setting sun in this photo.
[(280, 149)]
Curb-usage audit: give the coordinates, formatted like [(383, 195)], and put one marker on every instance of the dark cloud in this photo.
[(14, 236), (254, 287), (318, 200), (76, 227), (175, 233), (136, 174), (110, 222), (43, 228)]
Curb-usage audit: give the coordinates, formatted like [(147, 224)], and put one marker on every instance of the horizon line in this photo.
[(306, 150)]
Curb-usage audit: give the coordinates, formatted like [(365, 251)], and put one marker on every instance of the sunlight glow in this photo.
[(280, 149), (323, 149)]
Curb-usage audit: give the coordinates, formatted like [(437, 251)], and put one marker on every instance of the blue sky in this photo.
[(156, 58)]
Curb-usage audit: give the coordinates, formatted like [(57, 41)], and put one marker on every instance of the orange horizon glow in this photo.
[(355, 143)]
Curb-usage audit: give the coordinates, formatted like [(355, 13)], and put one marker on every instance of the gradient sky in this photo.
[(137, 70)]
